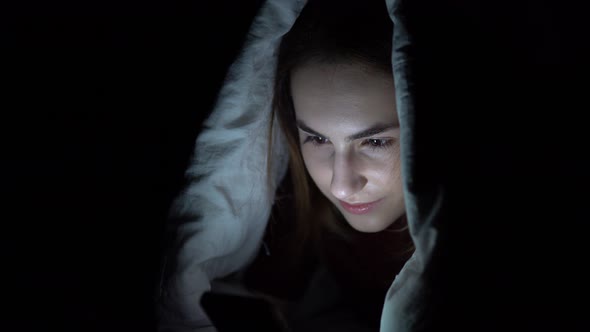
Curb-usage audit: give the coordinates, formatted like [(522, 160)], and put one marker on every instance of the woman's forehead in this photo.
[(343, 93)]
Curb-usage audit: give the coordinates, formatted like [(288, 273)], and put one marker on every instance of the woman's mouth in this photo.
[(361, 208)]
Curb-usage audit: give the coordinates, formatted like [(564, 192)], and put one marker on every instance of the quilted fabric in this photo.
[(219, 219)]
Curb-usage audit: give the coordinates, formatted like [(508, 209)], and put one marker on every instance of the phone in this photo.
[(235, 312)]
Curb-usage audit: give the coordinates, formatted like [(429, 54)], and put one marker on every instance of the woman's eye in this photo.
[(316, 140), (377, 143)]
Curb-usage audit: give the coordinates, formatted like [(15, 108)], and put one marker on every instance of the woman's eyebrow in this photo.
[(306, 128), (373, 130)]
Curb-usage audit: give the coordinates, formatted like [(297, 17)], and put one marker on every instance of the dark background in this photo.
[(101, 105)]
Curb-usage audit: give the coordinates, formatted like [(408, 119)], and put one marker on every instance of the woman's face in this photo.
[(349, 137)]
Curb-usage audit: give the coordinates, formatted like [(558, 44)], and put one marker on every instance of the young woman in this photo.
[(338, 237), (334, 98)]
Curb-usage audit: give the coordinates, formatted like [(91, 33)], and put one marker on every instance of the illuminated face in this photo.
[(349, 137)]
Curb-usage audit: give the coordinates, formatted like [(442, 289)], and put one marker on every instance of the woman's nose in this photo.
[(346, 179)]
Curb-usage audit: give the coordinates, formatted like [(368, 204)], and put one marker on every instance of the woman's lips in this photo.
[(359, 208)]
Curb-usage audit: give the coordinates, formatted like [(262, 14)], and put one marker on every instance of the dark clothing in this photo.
[(341, 286)]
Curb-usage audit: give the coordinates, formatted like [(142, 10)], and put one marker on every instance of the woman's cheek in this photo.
[(318, 167)]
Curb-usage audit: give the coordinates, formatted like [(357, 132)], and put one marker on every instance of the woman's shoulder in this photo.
[(283, 266)]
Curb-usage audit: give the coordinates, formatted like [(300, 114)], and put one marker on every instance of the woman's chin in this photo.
[(371, 224), (366, 225)]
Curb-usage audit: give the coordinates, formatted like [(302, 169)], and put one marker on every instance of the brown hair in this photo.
[(329, 32)]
